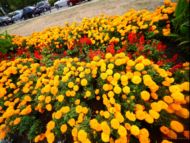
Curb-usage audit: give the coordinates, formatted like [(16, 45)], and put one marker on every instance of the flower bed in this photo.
[(115, 98), (106, 79)]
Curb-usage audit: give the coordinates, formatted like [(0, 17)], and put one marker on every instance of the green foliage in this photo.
[(51, 2), (35, 129), (6, 43), (181, 24)]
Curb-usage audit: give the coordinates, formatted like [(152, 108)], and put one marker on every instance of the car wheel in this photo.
[(57, 6), (70, 4)]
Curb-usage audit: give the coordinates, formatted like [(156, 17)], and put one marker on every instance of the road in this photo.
[(77, 13)]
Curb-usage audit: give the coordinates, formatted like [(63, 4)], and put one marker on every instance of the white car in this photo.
[(60, 3)]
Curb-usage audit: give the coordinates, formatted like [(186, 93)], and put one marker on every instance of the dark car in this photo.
[(28, 12), (41, 7), (74, 2)]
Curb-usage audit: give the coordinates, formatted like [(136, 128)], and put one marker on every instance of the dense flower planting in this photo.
[(109, 99), (99, 32), (106, 79)]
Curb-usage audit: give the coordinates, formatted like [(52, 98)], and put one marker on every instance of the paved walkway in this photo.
[(77, 13)]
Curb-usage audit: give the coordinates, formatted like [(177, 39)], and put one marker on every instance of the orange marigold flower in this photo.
[(176, 126), (172, 134), (164, 130), (63, 128)]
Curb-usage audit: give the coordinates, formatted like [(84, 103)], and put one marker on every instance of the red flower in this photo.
[(94, 53), (132, 37), (85, 41), (37, 55), (141, 40), (160, 63), (110, 49), (123, 49), (174, 68), (161, 47), (65, 53)]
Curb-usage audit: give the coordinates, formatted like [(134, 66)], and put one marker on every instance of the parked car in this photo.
[(4, 20), (60, 3), (16, 15), (41, 7), (28, 12), (74, 2)]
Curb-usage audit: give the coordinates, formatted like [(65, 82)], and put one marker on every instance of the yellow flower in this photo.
[(74, 132), (122, 131), (105, 137), (178, 96), (176, 126), (103, 75), (136, 79), (84, 82), (174, 88), (106, 87), (58, 115), (140, 114), (106, 114), (71, 122), (105, 127), (70, 84), (60, 98), (88, 93), (149, 119), (82, 135), (63, 128), (145, 95), (78, 109), (117, 89), (48, 99), (139, 66), (115, 123), (185, 86), (154, 114), (49, 107), (50, 125), (135, 130), (131, 116), (54, 90), (119, 117), (108, 55), (126, 90), (50, 137), (76, 88)]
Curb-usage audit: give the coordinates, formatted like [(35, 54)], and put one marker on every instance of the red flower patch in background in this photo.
[(37, 55)]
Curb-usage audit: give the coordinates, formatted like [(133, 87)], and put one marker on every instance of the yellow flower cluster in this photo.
[(103, 99), (100, 29)]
